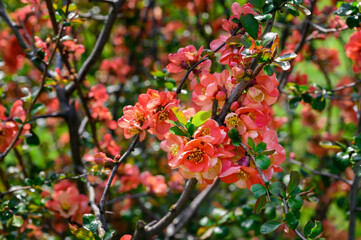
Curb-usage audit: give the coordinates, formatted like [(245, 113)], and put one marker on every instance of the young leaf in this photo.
[(250, 24), (258, 3), (268, 70), (270, 226), (251, 143), (177, 131), (201, 117), (258, 190), (90, 222), (180, 115)]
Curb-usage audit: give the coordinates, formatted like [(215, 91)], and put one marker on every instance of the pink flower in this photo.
[(126, 237), (67, 202), (241, 176), (134, 121), (154, 184), (197, 156), (173, 145), (205, 92), (99, 93), (238, 11), (353, 51), (130, 178), (209, 132), (184, 59), (109, 144), (116, 68)]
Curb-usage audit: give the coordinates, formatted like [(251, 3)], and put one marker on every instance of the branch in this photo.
[(98, 48), (95, 208), (149, 231), (189, 70), (316, 172), (110, 180), (305, 26), (28, 113), (24, 46), (187, 214)]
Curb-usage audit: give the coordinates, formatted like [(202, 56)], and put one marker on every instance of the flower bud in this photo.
[(234, 106), (237, 72), (221, 96)]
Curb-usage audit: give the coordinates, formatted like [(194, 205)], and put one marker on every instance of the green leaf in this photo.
[(263, 17), (268, 39), (291, 220), (250, 24), (37, 107), (307, 98), (235, 137), (261, 202), (346, 9), (292, 10), (270, 226), (293, 102), (276, 188), (251, 143), (258, 190), (294, 181), (358, 141), (268, 70), (353, 21), (201, 117), (341, 160), (303, 9), (261, 147), (191, 128), (235, 20), (319, 103), (286, 57), (17, 221), (177, 131), (258, 3), (108, 235), (308, 228), (314, 229), (295, 202), (263, 161), (33, 139), (180, 115), (90, 222), (285, 65)]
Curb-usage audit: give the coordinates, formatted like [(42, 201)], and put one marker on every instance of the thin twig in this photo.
[(24, 46), (110, 180), (316, 172), (28, 112), (98, 48), (286, 211)]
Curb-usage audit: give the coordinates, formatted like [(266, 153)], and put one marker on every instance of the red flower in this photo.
[(353, 51)]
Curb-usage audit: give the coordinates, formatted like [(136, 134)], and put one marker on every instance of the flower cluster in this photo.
[(199, 146), (152, 112)]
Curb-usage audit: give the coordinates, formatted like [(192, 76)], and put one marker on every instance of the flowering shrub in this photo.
[(190, 119)]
